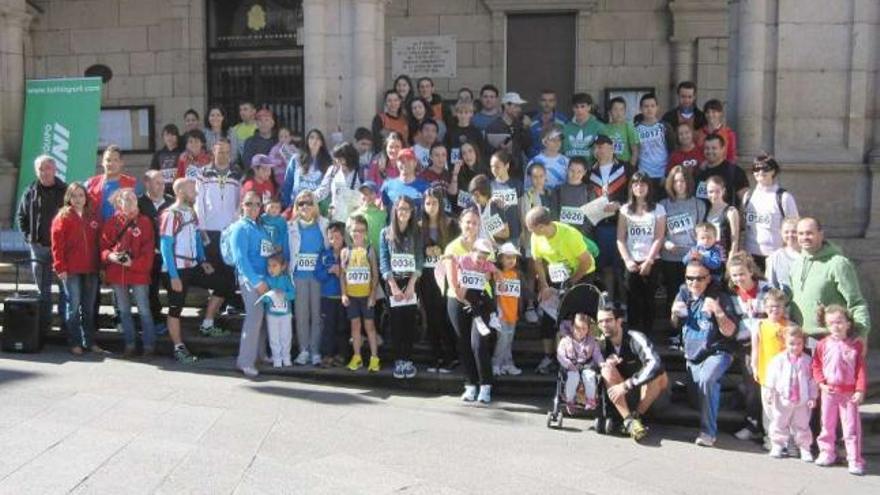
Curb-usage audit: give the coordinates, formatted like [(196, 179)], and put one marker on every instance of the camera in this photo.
[(124, 257)]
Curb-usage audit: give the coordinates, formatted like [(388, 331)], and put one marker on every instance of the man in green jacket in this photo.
[(822, 275)]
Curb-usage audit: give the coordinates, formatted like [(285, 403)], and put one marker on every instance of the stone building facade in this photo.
[(799, 77)]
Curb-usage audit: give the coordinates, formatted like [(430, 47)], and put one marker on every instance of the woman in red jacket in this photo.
[(127, 251), (75, 261)]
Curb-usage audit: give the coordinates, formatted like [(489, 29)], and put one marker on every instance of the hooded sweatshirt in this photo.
[(827, 277)]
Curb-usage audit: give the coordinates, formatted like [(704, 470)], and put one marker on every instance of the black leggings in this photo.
[(440, 333), (474, 350), (402, 321), (640, 300), (673, 277)]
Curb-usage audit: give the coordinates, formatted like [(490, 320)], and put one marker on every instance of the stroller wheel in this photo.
[(554, 420), (601, 426)]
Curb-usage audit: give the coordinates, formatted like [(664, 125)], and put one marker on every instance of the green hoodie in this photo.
[(827, 277)]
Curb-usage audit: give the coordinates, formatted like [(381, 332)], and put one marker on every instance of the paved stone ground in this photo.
[(114, 427)]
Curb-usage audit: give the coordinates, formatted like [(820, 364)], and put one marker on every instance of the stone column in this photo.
[(751, 57), (682, 59), (499, 49), (314, 54), (364, 62), (14, 25)]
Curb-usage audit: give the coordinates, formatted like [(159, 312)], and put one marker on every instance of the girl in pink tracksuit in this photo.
[(792, 395), (839, 369), (580, 356)]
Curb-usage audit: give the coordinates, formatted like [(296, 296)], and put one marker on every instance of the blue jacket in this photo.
[(412, 246), (276, 227), (295, 181), (330, 285), (282, 284), (712, 258), (250, 243), (535, 130), (393, 189)]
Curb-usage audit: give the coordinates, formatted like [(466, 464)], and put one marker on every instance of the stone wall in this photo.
[(155, 48)]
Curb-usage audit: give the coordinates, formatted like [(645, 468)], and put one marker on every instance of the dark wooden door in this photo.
[(540, 54)]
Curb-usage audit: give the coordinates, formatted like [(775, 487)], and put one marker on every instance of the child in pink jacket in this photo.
[(580, 356), (839, 369), (791, 395)]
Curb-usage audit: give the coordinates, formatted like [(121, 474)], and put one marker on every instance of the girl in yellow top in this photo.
[(508, 288), (767, 342), (360, 277)]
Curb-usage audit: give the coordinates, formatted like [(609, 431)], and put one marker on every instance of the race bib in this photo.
[(509, 288), (507, 196), (454, 155), (701, 190), (681, 223), (755, 218), (641, 231), (357, 276), (572, 215), (431, 261), (266, 248), (558, 272), (494, 224), (464, 199), (472, 280), (403, 263), (306, 262), (394, 303)]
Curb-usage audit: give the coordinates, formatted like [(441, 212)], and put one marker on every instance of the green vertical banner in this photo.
[(60, 120)]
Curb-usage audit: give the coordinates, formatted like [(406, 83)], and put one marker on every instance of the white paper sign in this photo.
[(424, 56)]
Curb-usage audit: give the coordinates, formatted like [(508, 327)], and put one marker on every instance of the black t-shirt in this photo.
[(456, 136), (165, 161), (734, 180)]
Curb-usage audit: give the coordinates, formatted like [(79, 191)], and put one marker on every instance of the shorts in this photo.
[(359, 307), (217, 283)]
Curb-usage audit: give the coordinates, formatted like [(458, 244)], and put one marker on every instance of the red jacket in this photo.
[(75, 243), (137, 240), (95, 189)]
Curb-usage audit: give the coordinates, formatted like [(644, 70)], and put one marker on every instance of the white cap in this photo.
[(512, 97), (509, 248), (484, 245)]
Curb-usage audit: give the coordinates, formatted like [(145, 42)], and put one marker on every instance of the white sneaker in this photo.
[(806, 455), (856, 470), (302, 358), (543, 367), (511, 370), (497, 371), (531, 316), (485, 394), (824, 460), (250, 372), (776, 451), (470, 393), (409, 370), (705, 440), (277, 364), (745, 434), (316, 360)]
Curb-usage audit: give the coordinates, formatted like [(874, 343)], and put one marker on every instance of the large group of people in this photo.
[(470, 217)]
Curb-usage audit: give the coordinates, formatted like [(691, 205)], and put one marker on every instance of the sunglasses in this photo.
[(253, 203), (696, 279), (305, 203), (760, 169)]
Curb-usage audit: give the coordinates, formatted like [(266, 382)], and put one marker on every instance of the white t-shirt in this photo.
[(640, 230), (763, 220)]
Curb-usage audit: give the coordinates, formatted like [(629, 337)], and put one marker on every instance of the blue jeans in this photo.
[(82, 292), (43, 278), (123, 308), (706, 379)]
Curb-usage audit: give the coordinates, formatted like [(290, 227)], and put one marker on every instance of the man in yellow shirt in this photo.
[(561, 259)]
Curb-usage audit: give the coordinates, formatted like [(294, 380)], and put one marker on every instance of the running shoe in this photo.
[(776, 452), (485, 396), (183, 356), (213, 331), (302, 359), (356, 363), (511, 370), (409, 369), (806, 455), (398, 372), (825, 460), (856, 469), (374, 365), (470, 393), (250, 372), (544, 366), (705, 440), (636, 428)]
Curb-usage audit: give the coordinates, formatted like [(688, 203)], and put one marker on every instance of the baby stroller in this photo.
[(581, 298)]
